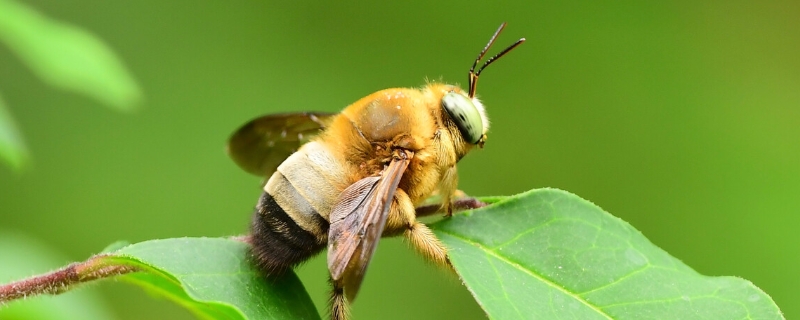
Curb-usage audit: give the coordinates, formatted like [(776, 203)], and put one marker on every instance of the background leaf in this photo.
[(548, 254), (66, 56), (213, 278), (12, 148)]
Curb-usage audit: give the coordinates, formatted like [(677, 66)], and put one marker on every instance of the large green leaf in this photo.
[(213, 278), (67, 56), (548, 254)]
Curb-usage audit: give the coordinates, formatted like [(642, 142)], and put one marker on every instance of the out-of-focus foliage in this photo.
[(12, 148), (679, 117), (64, 56)]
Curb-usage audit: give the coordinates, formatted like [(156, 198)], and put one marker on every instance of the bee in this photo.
[(343, 181)]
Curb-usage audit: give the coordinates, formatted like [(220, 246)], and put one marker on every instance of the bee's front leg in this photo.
[(448, 190), (467, 203)]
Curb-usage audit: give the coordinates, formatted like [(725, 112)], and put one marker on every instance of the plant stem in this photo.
[(62, 280)]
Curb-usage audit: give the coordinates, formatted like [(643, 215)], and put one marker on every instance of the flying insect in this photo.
[(342, 181)]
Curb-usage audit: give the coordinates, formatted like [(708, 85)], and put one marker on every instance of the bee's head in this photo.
[(466, 111)]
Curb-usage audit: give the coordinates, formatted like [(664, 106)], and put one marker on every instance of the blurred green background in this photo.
[(681, 118)]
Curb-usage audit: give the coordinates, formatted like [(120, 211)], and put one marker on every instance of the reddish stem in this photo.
[(62, 280)]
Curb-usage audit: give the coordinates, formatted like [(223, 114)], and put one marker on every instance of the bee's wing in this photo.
[(262, 144), (357, 222)]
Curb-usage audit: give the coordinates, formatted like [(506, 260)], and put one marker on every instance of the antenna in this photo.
[(473, 76)]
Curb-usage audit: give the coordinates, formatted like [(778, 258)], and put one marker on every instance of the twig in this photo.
[(62, 280)]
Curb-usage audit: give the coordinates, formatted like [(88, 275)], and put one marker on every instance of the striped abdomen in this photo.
[(290, 224)]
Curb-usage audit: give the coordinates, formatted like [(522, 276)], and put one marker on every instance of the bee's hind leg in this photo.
[(340, 310)]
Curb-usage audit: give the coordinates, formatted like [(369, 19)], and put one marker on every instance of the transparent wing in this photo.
[(262, 144), (357, 222)]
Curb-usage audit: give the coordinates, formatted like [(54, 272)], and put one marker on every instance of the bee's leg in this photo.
[(427, 244), (468, 203), (338, 302), (460, 194), (402, 219), (457, 205), (447, 188)]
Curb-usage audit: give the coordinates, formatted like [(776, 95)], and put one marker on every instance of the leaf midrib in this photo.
[(530, 272)]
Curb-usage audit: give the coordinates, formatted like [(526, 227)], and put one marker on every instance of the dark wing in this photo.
[(357, 222), (262, 144)]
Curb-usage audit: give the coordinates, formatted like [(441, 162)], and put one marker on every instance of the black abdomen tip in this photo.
[(277, 242)]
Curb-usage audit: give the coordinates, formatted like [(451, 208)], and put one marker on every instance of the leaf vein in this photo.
[(620, 279), (541, 278), (502, 284)]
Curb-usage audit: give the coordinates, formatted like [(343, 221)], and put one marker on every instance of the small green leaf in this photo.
[(548, 254), (213, 278), (12, 148), (66, 56)]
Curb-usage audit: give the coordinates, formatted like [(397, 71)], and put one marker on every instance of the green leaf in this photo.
[(12, 148), (213, 278), (66, 56), (548, 254)]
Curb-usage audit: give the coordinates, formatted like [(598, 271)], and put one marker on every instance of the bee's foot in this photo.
[(468, 204)]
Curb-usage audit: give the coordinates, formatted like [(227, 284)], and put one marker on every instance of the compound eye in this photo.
[(465, 115)]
